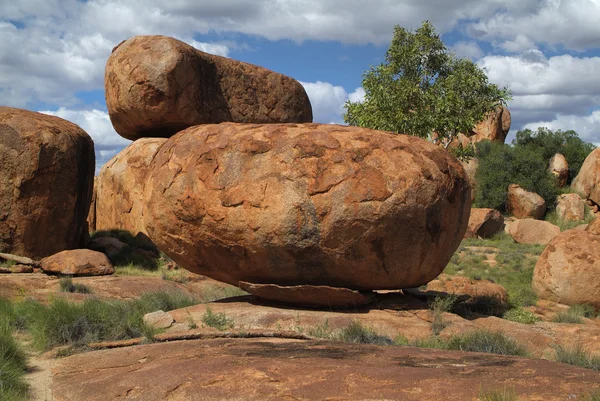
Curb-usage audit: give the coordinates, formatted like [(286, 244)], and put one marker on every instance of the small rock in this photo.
[(523, 204), (158, 319), (78, 262), (530, 231)]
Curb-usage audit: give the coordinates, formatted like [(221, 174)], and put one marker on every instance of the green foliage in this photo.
[(577, 356), (422, 88), (61, 322), (12, 363), (548, 143), (594, 395), (355, 332), (501, 165), (321, 331), (503, 395), (565, 225), (219, 321), (520, 315), (439, 306), (67, 285), (486, 341), (214, 293), (575, 314)]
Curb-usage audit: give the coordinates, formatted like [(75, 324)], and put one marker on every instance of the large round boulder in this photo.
[(120, 186), (570, 207), (46, 179), (568, 271), (156, 86), (587, 182), (531, 231), (523, 204), (308, 204)]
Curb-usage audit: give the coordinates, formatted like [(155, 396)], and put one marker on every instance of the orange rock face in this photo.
[(120, 187), (309, 204), (568, 269), (78, 262), (156, 86), (523, 204), (46, 179), (587, 181), (494, 127), (484, 223)]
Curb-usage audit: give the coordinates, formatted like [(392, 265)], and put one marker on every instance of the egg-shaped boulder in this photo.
[(306, 204)]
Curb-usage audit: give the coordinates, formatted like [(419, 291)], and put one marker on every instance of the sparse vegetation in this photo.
[(12, 364), (577, 356), (575, 314), (215, 293), (61, 322), (594, 395), (565, 225), (66, 285), (439, 306), (355, 332), (498, 395), (486, 341), (219, 321), (520, 315)]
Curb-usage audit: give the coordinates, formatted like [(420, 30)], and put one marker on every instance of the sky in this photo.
[(53, 52)]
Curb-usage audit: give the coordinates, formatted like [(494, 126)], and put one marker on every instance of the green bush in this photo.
[(357, 333), (67, 285), (575, 314), (12, 365), (548, 143), (504, 395), (501, 165), (520, 315), (439, 306), (577, 356), (219, 321), (486, 341)]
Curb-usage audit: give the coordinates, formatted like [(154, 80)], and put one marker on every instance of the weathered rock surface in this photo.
[(109, 246), (46, 179), (91, 217), (484, 223), (568, 270), (560, 168), (523, 204), (309, 295), (479, 291), (156, 86), (309, 204), (471, 170), (277, 369), (494, 127), (120, 187), (530, 231), (587, 182), (78, 262), (570, 207), (594, 227), (158, 319)]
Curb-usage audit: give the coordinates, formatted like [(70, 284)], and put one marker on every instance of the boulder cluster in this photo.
[(228, 176)]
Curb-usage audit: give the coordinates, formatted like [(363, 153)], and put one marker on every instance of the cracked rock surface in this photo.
[(310, 204), (157, 85)]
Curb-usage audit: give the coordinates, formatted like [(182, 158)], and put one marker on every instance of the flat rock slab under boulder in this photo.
[(78, 262), (309, 295), (278, 369)]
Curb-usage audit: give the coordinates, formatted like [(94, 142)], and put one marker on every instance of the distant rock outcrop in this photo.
[(587, 182), (568, 269), (46, 179), (494, 127), (156, 86), (309, 204), (120, 186), (522, 203), (559, 167)]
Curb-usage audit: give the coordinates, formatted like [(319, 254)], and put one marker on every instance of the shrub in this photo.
[(67, 285), (577, 356), (504, 395), (575, 314), (486, 341), (12, 366), (438, 306), (520, 315), (357, 333), (219, 321), (501, 165), (321, 331)]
